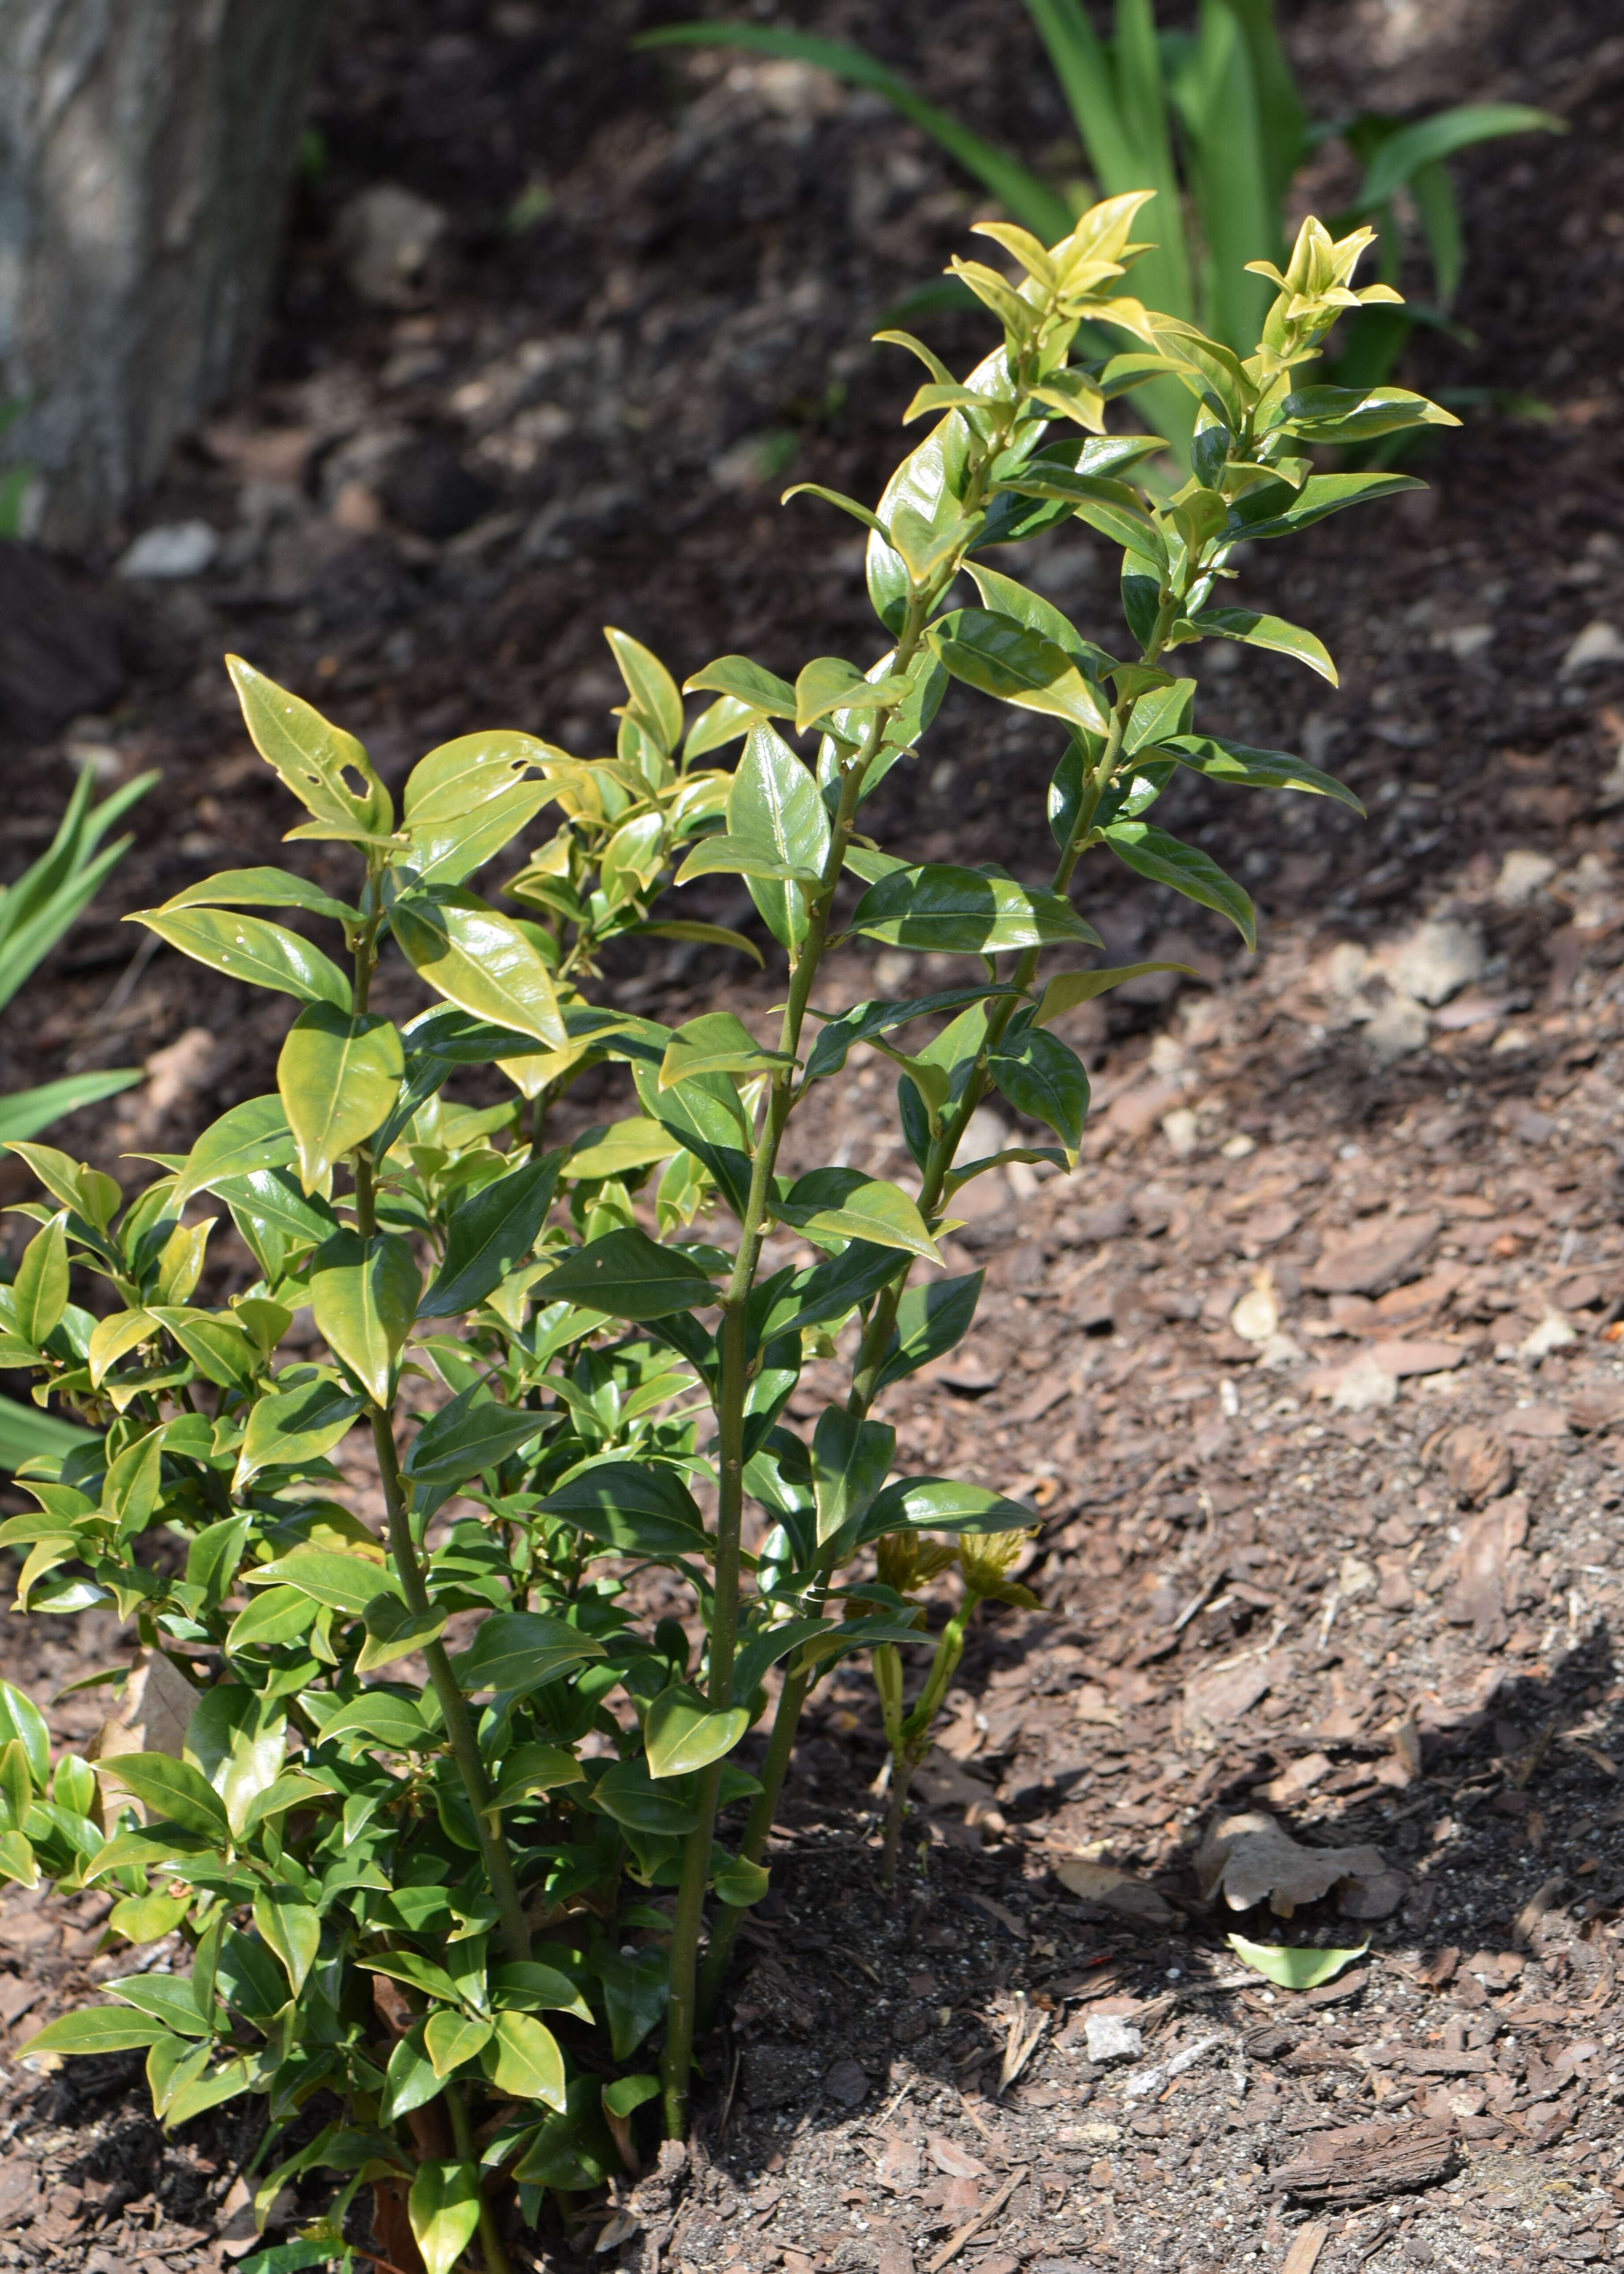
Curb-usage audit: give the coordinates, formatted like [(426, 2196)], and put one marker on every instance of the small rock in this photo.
[(1438, 960), (1256, 1317), (846, 2084), (1552, 1333), (1363, 1384), (386, 237), (173, 550), (1398, 1031), (1463, 641), (1181, 1131), (1110, 2038), (1522, 873), (1599, 642), (1237, 1148)]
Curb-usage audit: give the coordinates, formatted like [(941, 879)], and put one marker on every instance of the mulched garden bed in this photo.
[(1313, 1375)]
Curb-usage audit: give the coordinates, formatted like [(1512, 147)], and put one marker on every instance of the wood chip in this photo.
[(1306, 2244), (1366, 2163)]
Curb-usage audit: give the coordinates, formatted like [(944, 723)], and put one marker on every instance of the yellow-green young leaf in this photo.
[(654, 703), (341, 1582), (279, 1614), (830, 683), (523, 2059), (365, 1294), (248, 948), (148, 1918), (844, 1204), (716, 1043), (327, 771), (180, 1260), (130, 1489), (461, 776), (392, 1631), (617, 1150), (479, 961), (1294, 1969), (450, 2038), (444, 2210), (683, 1735), (338, 1075), (292, 1928), (39, 1290), (1067, 988), (216, 1345)]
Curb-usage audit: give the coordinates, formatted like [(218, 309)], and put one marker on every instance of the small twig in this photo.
[(951, 2248), (733, 2087), (1203, 1595), (1021, 2044)]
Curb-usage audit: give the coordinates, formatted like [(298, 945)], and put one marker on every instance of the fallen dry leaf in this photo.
[(1369, 1260), (1250, 1858), (1214, 1701), (1113, 1890), (1476, 1462), (1479, 1598)]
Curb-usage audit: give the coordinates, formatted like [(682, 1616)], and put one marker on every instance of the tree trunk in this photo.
[(147, 150)]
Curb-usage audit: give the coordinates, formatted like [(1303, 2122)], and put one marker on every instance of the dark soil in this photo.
[(1348, 1554)]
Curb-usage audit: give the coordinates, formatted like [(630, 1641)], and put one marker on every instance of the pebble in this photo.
[(1438, 960), (387, 236), (173, 550), (1522, 873), (1599, 643), (1110, 2038)]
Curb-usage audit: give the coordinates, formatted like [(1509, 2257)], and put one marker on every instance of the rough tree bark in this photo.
[(147, 149)]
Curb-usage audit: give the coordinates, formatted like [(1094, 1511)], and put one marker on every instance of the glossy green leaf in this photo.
[(40, 1291), (459, 778), (450, 2038), (1221, 760), (620, 1149), (479, 959), (338, 1075), (740, 1883), (470, 1434), (634, 1508), (516, 1651), (171, 1788), (653, 692), (364, 1294), (942, 1504), (931, 1319), (728, 856), (248, 948), (395, 1632), (277, 1615), (830, 683), (1008, 661), (222, 1350), (1151, 853), (1036, 1074), (683, 1734), (774, 808), (962, 911), (849, 1459), (629, 1276), (1275, 510), (746, 682), (491, 1235), (525, 2060), (246, 1140), (291, 1928), (392, 1721), (1067, 988), (443, 2206), (21, 1722), (718, 1042), (1302, 1969), (97, 2030), (843, 1204), (627, 1791), (1357, 414), (1272, 632), (261, 888), (410, 2079), (328, 770), (344, 1583), (292, 1427)]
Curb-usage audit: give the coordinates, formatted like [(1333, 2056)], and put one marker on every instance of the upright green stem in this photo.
[(731, 1390), (883, 1320), (491, 2246), (404, 1555)]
